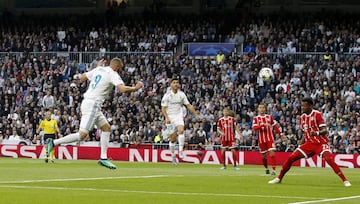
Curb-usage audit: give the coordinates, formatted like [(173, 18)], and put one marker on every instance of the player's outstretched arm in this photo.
[(125, 89), (193, 111), (101, 63)]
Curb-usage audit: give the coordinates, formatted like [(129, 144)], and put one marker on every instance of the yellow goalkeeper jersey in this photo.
[(49, 126)]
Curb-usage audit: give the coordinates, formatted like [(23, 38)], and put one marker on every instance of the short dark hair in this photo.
[(262, 104), (175, 77), (308, 100)]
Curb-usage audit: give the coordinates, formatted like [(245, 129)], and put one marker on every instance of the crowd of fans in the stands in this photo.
[(31, 84)]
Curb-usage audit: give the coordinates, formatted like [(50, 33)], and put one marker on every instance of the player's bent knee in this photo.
[(295, 156), (82, 134), (327, 156), (172, 137), (105, 128)]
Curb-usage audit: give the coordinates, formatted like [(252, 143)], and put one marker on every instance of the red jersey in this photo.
[(265, 125), (227, 125), (313, 122)]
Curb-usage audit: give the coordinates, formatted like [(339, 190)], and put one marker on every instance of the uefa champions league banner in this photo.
[(164, 155), (210, 49)]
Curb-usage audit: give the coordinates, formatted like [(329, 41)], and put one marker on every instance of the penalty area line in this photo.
[(327, 200), (155, 192), (83, 179)]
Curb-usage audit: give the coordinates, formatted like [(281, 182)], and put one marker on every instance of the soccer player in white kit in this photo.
[(172, 108), (102, 80)]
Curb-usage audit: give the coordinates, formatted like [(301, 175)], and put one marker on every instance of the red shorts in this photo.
[(310, 149), (266, 146), (229, 144)]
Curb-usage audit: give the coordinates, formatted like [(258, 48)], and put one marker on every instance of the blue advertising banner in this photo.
[(210, 49)]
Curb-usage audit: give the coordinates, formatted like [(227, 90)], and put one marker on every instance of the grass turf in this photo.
[(83, 181)]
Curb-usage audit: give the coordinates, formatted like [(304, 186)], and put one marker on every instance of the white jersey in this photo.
[(174, 102), (103, 79)]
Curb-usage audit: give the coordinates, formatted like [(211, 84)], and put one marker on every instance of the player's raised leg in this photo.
[(73, 137), (286, 166)]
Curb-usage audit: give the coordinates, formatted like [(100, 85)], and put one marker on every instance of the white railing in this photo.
[(85, 57), (88, 57)]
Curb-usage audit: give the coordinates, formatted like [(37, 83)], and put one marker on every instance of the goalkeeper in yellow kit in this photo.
[(50, 128)]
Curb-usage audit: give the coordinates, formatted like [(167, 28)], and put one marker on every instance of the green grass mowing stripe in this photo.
[(156, 192), (82, 179), (328, 200), (187, 183)]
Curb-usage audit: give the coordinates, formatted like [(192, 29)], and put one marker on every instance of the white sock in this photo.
[(172, 148), (67, 139), (181, 140), (104, 144)]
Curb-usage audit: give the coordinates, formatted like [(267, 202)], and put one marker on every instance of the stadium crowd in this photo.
[(31, 84)]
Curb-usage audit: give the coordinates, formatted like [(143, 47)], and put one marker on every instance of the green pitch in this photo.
[(33, 181)]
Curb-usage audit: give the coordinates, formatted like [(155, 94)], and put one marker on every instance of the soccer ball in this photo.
[(266, 74)]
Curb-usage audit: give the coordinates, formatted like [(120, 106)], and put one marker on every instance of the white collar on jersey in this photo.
[(173, 93)]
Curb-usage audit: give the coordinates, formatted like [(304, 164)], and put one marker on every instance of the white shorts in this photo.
[(177, 119), (91, 115)]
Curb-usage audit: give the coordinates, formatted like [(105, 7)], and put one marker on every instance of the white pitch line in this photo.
[(327, 200), (155, 192), (83, 179)]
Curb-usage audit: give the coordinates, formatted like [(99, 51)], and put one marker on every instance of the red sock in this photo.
[(234, 158), (264, 160), (330, 160), (223, 159), (287, 164), (273, 162)]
